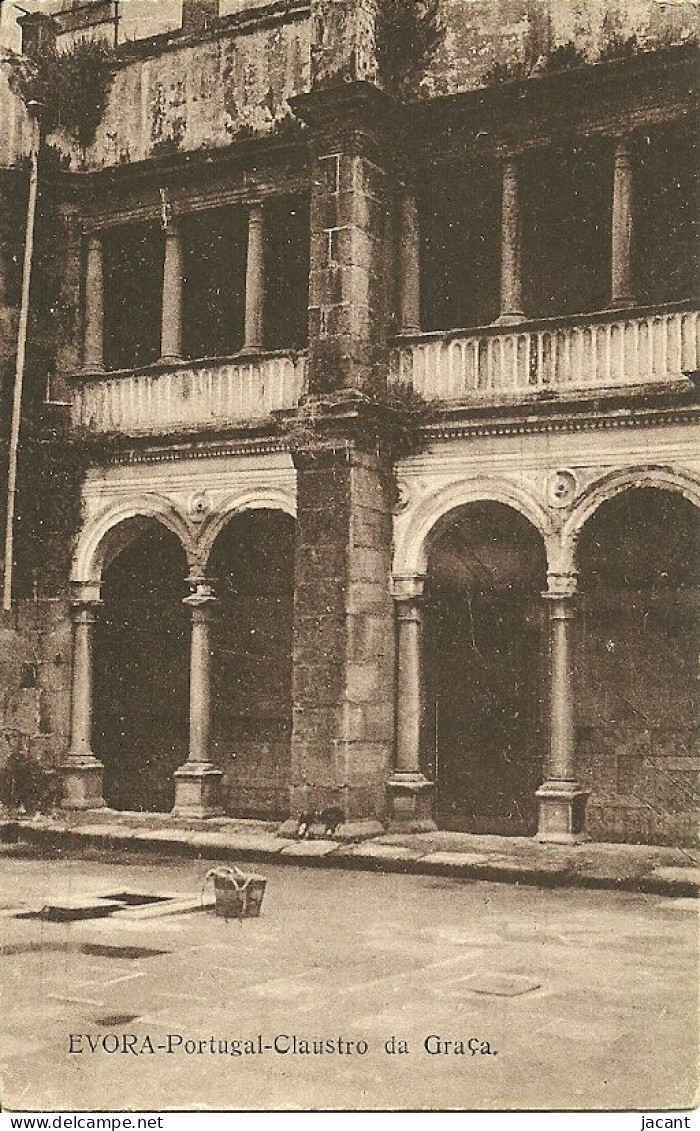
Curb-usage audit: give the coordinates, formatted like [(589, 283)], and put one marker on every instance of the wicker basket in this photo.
[(238, 894)]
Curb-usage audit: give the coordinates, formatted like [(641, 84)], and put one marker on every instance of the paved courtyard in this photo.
[(560, 998)]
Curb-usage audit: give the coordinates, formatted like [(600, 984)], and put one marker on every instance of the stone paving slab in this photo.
[(454, 859), (674, 875), (374, 850), (303, 848)]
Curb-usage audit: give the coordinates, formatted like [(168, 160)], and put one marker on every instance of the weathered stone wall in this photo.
[(13, 196), (15, 128), (202, 95), (481, 33), (347, 283), (35, 670), (343, 41)]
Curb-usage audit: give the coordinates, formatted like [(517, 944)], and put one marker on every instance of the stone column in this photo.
[(171, 323), (511, 246), (409, 263), (622, 225), (82, 772), (197, 781), (561, 800), (254, 280), (93, 349), (410, 792)]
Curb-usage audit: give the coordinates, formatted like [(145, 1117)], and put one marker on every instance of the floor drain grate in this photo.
[(103, 950)]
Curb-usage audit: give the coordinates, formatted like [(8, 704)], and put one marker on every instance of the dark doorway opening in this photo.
[(636, 683), (484, 737), (141, 700), (252, 563)]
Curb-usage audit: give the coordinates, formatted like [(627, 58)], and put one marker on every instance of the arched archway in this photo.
[(483, 737), (252, 565), (141, 668), (637, 692)]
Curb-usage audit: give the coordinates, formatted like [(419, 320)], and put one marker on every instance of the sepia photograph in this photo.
[(349, 555)]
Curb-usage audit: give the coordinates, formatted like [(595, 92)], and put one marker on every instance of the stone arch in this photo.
[(614, 483), (276, 499), (411, 551), (104, 536)]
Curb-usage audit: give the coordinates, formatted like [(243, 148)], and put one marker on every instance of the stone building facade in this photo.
[(278, 602)]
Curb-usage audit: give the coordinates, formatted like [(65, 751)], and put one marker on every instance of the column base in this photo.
[(197, 791), (82, 783), (561, 813), (411, 803), (510, 318)]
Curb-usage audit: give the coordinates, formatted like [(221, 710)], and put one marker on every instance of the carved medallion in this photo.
[(199, 506), (561, 489)]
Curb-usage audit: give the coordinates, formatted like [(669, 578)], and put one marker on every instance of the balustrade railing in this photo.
[(595, 352), (202, 394)]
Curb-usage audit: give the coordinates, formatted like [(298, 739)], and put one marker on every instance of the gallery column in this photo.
[(93, 349), (410, 792), (622, 225), (511, 245), (409, 262), (561, 800), (82, 772), (171, 323), (197, 782), (254, 280)]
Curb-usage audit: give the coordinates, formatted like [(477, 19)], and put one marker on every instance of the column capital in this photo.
[(561, 586), (85, 612), (94, 239), (85, 592), (407, 588), (202, 595)]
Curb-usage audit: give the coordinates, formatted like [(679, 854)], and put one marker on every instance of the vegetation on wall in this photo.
[(407, 33), (71, 87), (405, 416), (615, 44), (51, 471)]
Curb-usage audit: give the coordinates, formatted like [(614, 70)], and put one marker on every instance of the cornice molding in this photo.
[(580, 422)]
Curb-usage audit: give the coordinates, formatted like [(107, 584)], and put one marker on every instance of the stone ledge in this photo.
[(632, 868)]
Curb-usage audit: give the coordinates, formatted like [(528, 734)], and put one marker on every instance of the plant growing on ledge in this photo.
[(408, 33), (407, 414), (71, 87)]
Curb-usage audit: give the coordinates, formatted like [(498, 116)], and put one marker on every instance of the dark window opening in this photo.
[(133, 288), (566, 202), (286, 236), (460, 254), (214, 264), (665, 233)]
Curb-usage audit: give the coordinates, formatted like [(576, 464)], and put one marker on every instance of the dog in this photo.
[(330, 819)]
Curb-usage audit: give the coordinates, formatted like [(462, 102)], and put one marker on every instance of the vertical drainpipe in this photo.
[(21, 354)]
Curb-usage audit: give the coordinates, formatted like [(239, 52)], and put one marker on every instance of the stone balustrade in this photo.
[(183, 396), (595, 352)]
